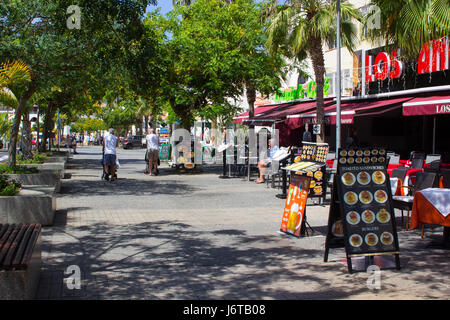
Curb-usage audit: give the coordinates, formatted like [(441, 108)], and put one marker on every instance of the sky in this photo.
[(165, 5)]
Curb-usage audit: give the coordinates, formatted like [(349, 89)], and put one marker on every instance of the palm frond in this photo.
[(13, 73)]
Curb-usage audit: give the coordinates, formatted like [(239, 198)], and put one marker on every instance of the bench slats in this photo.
[(3, 228), (7, 244), (5, 235), (22, 246), (30, 246), (14, 246)]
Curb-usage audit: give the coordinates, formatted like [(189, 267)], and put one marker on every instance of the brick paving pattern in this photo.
[(195, 236)]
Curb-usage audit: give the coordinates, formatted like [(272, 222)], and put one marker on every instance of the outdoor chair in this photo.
[(394, 158), (432, 157), (424, 180), (445, 175), (434, 166), (331, 174), (417, 163)]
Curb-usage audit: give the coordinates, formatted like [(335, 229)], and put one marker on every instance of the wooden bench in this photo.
[(20, 260)]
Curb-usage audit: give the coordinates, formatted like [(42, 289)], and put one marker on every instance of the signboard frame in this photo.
[(295, 206), (362, 236)]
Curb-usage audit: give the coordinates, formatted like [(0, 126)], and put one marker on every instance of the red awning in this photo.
[(298, 108), (432, 105), (258, 110), (348, 111)]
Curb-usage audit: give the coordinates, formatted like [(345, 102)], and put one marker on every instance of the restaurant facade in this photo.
[(399, 103)]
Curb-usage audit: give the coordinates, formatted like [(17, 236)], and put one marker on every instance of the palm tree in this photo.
[(301, 27), (11, 75), (408, 24)]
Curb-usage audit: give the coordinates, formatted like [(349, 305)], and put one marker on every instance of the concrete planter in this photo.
[(57, 168), (39, 179), (22, 284), (34, 204), (56, 159)]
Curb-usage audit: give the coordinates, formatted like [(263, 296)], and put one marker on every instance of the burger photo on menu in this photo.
[(371, 239), (368, 216), (363, 178), (355, 240), (381, 196), (378, 177), (350, 198), (365, 197), (353, 218), (383, 216), (387, 238), (338, 229), (348, 179)]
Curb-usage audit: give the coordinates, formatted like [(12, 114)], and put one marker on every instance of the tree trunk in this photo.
[(316, 54), (251, 98), (25, 141), (146, 123), (16, 123), (48, 122)]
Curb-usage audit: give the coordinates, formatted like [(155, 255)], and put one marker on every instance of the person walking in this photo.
[(110, 143), (152, 151)]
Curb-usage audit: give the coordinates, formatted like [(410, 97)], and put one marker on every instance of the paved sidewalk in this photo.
[(195, 236)]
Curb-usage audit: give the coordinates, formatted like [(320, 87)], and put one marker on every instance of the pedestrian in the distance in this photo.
[(152, 151), (110, 143)]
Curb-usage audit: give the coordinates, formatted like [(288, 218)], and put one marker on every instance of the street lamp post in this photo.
[(338, 89)]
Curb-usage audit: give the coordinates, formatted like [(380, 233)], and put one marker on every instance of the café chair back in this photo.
[(445, 175), (394, 158), (423, 180), (432, 157), (417, 163), (433, 167), (417, 155)]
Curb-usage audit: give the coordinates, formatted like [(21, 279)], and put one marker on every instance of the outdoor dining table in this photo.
[(432, 206)]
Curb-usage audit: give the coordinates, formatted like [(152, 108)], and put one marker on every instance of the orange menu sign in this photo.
[(294, 208)]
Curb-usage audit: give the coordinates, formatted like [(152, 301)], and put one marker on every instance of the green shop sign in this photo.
[(307, 90)]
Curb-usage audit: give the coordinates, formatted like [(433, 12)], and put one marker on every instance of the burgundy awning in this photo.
[(258, 110), (298, 108), (348, 111), (432, 105)]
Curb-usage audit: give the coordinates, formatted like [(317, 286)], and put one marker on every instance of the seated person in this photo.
[(264, 164)]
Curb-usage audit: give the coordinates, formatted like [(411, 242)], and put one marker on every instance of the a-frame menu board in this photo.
[(361, 213)]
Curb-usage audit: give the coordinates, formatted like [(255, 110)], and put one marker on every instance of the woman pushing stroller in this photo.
[(110, 143)]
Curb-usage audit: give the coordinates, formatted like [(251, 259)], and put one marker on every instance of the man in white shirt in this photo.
[(152, 151), (110, 143)]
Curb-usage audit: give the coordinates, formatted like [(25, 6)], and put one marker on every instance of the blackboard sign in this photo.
[(361, 215), (164, 152)]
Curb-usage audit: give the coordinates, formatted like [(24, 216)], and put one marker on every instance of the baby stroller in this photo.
[(106, 175)]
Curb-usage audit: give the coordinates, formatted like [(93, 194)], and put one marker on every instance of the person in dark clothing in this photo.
[(352, 139), (307, 136)]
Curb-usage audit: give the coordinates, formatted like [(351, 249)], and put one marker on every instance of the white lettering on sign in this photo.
[(385, 66), (445, 108), (434, 56)]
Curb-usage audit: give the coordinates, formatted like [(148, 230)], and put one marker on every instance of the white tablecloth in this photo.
[(439, 198), (394, 182)]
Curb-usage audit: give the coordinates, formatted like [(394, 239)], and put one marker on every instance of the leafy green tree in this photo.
[(214, 49), (36, 32), (301, 27)]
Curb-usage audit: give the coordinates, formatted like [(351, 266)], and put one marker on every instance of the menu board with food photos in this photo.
[(312, 163), (361, 213)]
